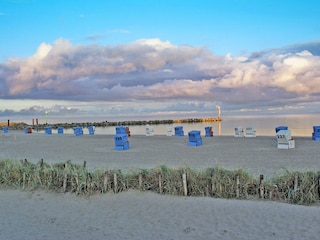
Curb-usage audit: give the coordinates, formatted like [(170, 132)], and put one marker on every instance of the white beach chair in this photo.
[(250, 131), (284, 140), (238, 132), (149, 130), (169, 131)]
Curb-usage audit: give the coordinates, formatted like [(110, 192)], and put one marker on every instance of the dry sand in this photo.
[(145, 215), (257, 155)]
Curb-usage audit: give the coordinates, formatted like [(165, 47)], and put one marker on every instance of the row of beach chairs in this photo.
[(285, 140), (178, 131), (121, 141), (283, 134), (247, 132)]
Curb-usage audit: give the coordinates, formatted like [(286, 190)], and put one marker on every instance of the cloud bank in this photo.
[(157, 71)]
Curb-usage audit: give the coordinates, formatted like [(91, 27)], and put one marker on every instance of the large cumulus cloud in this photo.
[(151, 69)]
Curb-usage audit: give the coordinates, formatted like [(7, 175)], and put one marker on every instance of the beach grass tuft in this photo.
[(291, 187)]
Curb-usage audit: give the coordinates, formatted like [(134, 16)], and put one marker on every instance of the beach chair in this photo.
[(91, 130), (5, 129), (194, 138), (60, 130), (78, 131), (178, 131), (48, 130), (250, 131), (284, 140), (27, 130), (209, 132), (316, 133), (121, 142), (169, 131), (149, 130), (238, 132)]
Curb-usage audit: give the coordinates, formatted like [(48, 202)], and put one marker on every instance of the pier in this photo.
[(21, 125)]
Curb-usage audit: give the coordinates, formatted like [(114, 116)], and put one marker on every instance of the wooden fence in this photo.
[(292, 187)]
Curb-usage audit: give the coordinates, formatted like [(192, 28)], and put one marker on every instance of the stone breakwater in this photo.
[(22, 125)]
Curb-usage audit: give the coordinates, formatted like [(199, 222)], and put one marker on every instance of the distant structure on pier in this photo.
[(219, 111)]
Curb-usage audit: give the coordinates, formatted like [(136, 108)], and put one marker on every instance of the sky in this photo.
[(119, 60)]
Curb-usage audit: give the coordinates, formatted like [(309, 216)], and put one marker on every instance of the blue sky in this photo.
[(158, 59)]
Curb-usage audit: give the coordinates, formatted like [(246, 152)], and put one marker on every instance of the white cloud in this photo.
[(296, 62), (156, 71), (42, 51), (155, 43)]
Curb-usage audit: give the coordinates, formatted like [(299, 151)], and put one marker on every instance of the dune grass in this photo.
[(291, 187)]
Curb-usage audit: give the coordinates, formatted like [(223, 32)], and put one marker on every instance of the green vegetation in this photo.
[(292, 187)]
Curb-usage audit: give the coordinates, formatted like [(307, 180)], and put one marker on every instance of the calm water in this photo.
[(300, 125)]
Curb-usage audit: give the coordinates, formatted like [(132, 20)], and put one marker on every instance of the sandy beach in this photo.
[(258, 155), (146, 215)]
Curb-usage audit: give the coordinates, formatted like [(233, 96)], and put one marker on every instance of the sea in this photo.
[(299, 125)]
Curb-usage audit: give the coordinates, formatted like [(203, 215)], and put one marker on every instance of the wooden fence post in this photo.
[(105, 181), (212, 185), (41, 169), (270, 195), (115, 182), (65, 179), (89, 182), (208, 188), (140, 181), (295, 188), (184, 181), (160, 183), (261, 188), (237, 186)]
